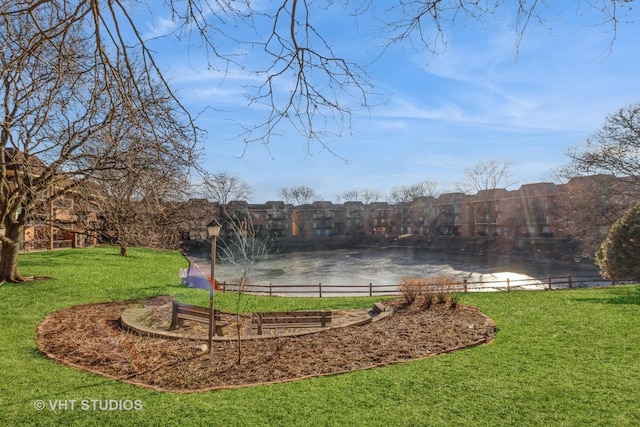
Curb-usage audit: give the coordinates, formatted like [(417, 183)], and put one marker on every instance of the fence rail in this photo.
[(320, 289)]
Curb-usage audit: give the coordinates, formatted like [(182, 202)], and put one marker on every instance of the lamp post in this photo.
[(213, 230)]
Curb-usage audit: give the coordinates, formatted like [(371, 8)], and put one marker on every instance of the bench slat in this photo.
[(295, 320), (291, 319), (297, 313), (292, 325)]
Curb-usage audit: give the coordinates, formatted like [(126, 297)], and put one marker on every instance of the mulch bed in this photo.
[(89, 337)]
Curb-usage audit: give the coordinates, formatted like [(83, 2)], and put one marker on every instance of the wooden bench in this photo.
[(182, 312), (291, 319)]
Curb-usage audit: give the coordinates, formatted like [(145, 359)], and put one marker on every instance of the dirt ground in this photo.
[(89, 337)]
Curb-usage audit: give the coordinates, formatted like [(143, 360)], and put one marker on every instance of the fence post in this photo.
[(466, 284), (320, 289), (224, 286), (270, 290), (370, 289), (508, 284)]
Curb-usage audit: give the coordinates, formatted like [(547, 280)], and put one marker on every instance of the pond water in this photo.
[(385, 267)]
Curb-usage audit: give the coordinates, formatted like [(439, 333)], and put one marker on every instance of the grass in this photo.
[(560, 358)]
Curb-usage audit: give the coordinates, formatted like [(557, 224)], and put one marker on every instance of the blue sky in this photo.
[(479, 99)]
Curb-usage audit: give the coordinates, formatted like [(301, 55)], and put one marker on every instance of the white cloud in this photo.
[(159, 27)]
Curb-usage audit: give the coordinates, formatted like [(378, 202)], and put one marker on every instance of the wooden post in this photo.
[(270, 290), (213, 230), (466, 285), (370, 289), (320, 289), (508, 285)]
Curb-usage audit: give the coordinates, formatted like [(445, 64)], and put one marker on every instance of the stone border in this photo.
[(129, 320)]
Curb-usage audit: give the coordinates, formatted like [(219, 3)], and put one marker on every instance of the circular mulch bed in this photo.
[(89, 337)]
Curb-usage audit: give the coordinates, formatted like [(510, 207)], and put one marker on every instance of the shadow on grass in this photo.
[(626, 295)]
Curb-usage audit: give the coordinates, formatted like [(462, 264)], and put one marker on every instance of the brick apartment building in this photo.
[(533, 210)]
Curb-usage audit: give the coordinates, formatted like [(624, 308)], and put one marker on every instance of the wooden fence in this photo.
[(320, 289)]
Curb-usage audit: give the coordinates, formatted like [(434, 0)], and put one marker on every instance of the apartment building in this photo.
[(533, 210)]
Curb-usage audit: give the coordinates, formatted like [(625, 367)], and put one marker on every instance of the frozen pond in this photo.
[(385, 267)]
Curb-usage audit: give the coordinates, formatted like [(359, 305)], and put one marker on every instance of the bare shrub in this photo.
[(426, 291), (427, 300), (453, 301), (409, 290)]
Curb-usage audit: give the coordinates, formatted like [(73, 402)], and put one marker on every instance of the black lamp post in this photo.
[(213, 230)]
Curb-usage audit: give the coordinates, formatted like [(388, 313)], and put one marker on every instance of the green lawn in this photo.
[(560, 358)]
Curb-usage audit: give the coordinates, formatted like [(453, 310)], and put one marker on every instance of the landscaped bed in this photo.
[(89, 337)]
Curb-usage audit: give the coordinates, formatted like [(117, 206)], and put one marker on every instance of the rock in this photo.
[(378, 307), (202, 348)]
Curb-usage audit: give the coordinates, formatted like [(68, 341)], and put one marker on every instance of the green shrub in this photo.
[(619, 255)]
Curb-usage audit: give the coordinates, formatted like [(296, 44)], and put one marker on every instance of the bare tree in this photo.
[(300, 195), (242, 250), (487, 175), (67, 104), (587, 207), (424, 24), (591, 206), (225, 188), (140, 205), (324, 87), (613, 149), (407, 193), (403, 196), (348, 196), (365, 195)]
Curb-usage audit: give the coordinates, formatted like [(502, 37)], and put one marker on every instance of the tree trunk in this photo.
[(9, 254)]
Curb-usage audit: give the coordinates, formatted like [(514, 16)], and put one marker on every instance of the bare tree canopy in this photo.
[(487, 175), (306, 79), (140, 205), (613, 149), (300, 195), (610, 152), (409, 192), (365, 195), (224, 188), (312, 81), (591, 205), (75, 106)]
